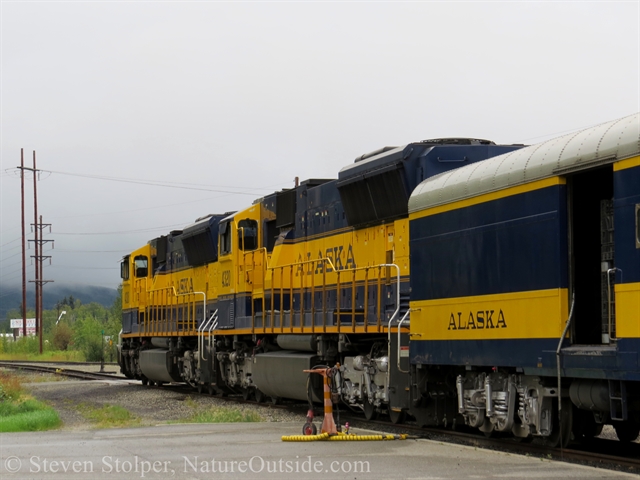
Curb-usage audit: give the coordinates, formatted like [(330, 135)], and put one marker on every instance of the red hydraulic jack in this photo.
[(328, 424)]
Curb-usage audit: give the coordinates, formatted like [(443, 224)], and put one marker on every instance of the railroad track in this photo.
[(596, 453), (56, 370), (601, 453)]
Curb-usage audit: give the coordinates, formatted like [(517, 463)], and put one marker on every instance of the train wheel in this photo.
[(397, 417), (275, 400), (627, 431), (260, 397), (212, 389), (246, 394), (309, 429), (370, 412), (561, 434), (145, 381), (200, 388)]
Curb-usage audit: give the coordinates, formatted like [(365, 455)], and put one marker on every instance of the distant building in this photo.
[(16, 325)]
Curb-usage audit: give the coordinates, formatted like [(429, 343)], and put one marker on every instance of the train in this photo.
[(453, 281)]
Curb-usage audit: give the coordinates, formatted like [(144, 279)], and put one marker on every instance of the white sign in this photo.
[(17, 323)]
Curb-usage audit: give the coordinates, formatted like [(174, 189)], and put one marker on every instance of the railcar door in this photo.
[(125, 273), (227, 278), (592, 263)]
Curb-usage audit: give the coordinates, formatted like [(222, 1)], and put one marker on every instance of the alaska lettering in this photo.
[(481, 320), (338, 259)]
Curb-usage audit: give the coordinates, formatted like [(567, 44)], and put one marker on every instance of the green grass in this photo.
[(10, 408), (224, 415), (41, 418), (19, 413), (108, 416), (51, 356)]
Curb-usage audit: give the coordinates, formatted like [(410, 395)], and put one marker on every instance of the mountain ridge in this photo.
[(11, 296)]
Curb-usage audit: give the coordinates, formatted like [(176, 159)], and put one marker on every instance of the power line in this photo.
[(181, 185), (125, 232), (139, 209), (91, 251), (14, 240), (11, 256), (7, 250), (19, 262), (13, 271), (82, 268)]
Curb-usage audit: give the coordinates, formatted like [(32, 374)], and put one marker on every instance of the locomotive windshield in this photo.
[(142, 266), (248, 234)]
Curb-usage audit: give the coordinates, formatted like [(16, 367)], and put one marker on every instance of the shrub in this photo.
[(62, 334), (93, 350)]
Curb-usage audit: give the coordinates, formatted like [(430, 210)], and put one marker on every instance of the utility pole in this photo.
[(38, 226), (24, 259), (40, 282)]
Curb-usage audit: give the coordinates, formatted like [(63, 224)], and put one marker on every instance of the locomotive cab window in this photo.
[(225, 238), (247, 234), (141, 266), (124, 268)]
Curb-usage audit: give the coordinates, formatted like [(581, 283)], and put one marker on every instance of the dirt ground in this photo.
[(147, 405)]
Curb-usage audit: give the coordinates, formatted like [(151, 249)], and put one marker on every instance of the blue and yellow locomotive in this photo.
[(451, 279)]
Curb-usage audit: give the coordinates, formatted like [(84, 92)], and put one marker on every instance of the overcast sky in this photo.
[(234, 100)]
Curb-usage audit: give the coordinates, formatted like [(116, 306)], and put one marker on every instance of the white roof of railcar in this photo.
[(604, 143)]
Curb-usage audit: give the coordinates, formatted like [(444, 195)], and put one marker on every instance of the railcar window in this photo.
[(142, 266), (124, 269), (638, 225), (248, 234), (225, 238)]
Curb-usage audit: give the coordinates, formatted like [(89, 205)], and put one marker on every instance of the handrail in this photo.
[(176, 294), (558, 352), (394, 313), (328, 264), (611, 270), (399, 325), (338, 286), (201, 339), (212, 327)]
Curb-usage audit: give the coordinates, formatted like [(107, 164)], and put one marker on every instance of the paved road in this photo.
[(255, 451)]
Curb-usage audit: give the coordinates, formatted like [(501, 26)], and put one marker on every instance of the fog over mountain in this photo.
[(11, 296)]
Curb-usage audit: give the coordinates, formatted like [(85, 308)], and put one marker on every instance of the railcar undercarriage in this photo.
[(494, 401), (267, 367)]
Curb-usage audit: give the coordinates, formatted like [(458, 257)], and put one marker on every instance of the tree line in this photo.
[(90, 329)]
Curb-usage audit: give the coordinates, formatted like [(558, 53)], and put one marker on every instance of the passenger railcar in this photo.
[(525, 287)]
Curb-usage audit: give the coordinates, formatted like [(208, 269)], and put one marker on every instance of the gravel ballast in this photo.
[(149, 405)]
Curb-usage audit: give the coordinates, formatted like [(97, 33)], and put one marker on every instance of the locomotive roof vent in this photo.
[(457, 141), (202, 218), (315, 182), (372, 154)]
